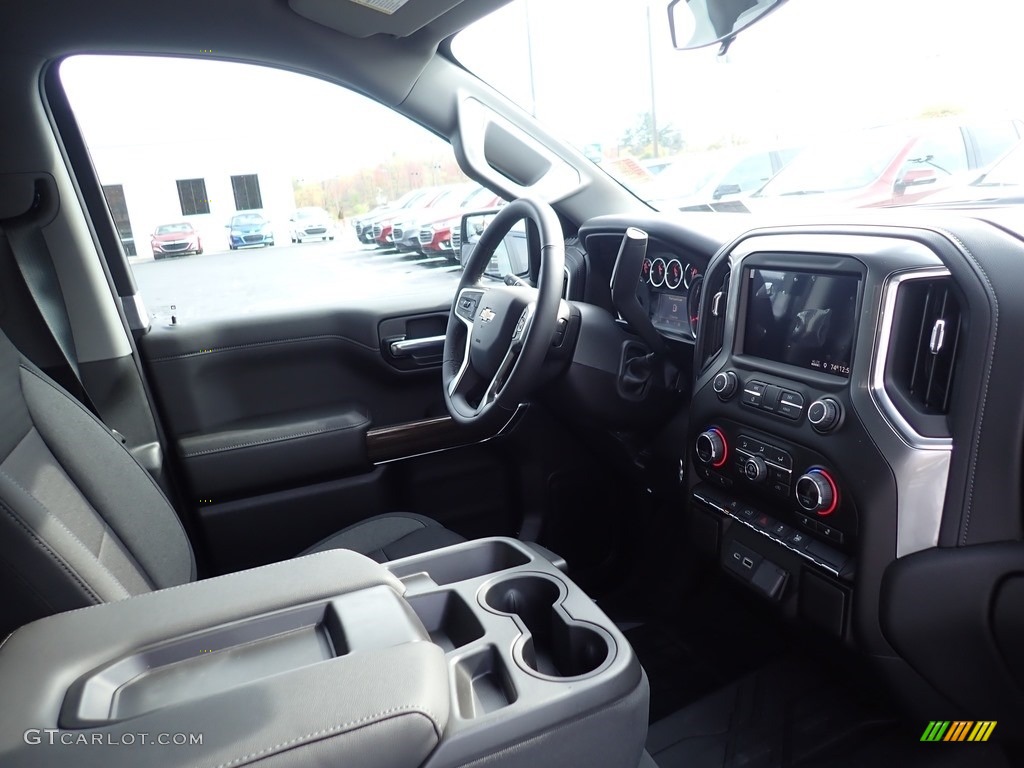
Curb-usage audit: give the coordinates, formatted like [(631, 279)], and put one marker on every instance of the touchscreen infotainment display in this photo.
[(801, 318)]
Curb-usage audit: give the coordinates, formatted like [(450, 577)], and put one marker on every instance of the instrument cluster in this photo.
[(670, 289)]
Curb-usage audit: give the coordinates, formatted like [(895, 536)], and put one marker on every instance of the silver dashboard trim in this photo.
[(880, 358), (923, 487)]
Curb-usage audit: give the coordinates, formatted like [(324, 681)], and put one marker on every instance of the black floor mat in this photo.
[(792, 714), (714, 639)]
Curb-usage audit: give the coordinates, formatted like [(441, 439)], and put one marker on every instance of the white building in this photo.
[(201, 182)]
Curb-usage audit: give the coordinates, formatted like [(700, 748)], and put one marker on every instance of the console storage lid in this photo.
[(259, 665)]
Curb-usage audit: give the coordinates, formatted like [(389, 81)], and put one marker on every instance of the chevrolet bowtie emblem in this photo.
[(486, 315)]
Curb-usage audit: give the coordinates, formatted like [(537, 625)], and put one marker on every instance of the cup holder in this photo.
[(553, 644)]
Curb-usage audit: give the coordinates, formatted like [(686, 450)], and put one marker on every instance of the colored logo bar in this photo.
[(958, 730)]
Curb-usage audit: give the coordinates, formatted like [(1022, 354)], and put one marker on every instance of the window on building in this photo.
[(247, 192), (114, 194), (192, 196)]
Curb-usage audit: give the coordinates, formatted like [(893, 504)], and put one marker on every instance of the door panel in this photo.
[(279, 426)]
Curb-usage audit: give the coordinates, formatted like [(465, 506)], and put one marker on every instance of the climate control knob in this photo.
[(755, 469), (825, 414), (712, 448), (725, 384), (816, 492)]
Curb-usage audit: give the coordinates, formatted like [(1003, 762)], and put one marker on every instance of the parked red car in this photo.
[(436, 236), (891, 165), (178, 239)]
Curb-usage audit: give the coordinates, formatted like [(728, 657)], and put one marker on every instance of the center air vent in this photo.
[(713, 323), (920, 373)]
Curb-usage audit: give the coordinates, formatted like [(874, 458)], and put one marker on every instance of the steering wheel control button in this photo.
[(825, 414), (753, 393), (755, 469), (725, 384), (816, 492), (712, 447)]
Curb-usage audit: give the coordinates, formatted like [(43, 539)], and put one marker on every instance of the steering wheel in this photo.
[(498, 335)]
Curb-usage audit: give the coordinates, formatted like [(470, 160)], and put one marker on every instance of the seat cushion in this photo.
[(390, 537)]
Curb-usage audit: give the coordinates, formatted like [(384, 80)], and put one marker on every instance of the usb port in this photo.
[(748, 563)]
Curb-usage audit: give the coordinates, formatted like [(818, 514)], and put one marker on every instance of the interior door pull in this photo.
[(411, 347)]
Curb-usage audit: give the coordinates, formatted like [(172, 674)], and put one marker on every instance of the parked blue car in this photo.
[(249, 229)]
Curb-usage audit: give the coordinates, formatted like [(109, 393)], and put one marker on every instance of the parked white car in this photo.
[(310, 224)]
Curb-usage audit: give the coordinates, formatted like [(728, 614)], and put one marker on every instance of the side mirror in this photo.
[(511, 257), (916, 177), (725, 189), (699, 23)]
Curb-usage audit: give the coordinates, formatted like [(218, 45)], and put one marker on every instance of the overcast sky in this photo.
[(811, 67)]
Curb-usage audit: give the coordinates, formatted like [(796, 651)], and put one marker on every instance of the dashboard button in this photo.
[(781, 530), (789, 411), (778, 456), (753, 393), (780, 488), (790, 397), (779, 475), (770, 399), (798, 539), (750, 445), (764, 522), (830, 533), (747, 513), (805, 523)]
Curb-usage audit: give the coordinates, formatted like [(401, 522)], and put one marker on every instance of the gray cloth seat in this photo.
[(390, 537), (82, 522)]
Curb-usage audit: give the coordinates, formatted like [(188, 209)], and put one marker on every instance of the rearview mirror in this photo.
[(699, 23), (511, 257)]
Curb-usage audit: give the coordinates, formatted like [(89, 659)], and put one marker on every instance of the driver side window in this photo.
[(280, 192)]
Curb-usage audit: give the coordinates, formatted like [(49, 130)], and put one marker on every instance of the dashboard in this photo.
[(834, 429)]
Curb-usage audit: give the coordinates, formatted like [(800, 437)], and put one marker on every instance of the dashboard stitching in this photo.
[(988, 378)]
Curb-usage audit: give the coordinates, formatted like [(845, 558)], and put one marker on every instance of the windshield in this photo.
[(825, 84), (244, 219), (850, 162), (170, 229), (1009, 171)]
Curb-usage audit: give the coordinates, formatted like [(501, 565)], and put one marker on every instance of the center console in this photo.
[(797, 467), (484, 651)]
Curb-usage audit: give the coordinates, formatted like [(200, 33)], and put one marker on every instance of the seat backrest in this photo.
[(81, 521)]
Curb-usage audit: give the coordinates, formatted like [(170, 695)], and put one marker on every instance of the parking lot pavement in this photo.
[(258, 281)]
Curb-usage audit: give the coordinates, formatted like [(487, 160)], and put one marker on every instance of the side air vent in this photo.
[(714, 324), (920, 373)]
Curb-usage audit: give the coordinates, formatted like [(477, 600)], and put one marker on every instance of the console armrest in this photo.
[(280, 674)]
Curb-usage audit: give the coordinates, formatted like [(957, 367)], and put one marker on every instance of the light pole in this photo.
[(650, 64), (529, 59)]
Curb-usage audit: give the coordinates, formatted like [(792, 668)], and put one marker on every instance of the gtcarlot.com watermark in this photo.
[(54, 737)]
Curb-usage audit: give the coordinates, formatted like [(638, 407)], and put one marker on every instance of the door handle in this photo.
[(426, 345)]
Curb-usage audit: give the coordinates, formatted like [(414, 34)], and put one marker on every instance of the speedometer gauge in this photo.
[(658, 271), (690, 273), (693, 303), (673, 274)]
